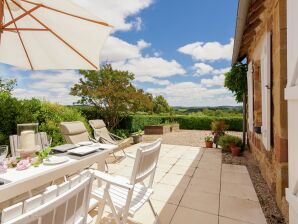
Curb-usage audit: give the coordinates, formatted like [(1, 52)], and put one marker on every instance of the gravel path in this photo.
[(184, 137)]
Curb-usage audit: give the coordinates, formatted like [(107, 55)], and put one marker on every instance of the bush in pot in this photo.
[(218, 129), (236, 144), (137, 137), (209, 141), (224, 141)]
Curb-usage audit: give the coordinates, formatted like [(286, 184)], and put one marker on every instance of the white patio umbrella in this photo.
[(50, 34)]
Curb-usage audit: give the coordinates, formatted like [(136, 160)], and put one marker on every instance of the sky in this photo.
[(178, 49)]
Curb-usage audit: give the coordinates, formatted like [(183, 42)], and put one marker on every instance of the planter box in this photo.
[(157, 129), (175, 127)]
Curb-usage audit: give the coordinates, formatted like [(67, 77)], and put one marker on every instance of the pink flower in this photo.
[(23, 164), (3, 168)]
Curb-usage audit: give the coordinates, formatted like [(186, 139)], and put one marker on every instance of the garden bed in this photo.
[(157, 129), (267, 201)]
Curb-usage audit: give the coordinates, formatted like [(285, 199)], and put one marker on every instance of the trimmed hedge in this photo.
[(137, 122)]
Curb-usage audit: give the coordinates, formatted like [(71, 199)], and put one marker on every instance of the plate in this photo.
[(85, 143), (83, 150), (53, 160)]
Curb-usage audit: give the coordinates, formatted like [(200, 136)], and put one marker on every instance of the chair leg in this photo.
[(123, 152), (107, 167), (154, 212), (101, 206), (114, 155)]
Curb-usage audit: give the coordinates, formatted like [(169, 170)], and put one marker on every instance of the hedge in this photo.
[(137, 122), (48, 115)]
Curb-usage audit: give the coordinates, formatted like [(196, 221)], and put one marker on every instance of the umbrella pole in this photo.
[(1, 15)]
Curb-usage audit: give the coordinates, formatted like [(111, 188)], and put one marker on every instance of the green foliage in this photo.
[(219, 126), (160, 105), (48, 115), (136, 122), (226, 140), (235, 80), (112, 93), (6, 86), (208, 138), (123, 133)]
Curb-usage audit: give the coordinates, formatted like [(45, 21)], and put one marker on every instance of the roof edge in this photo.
[(242, 12)]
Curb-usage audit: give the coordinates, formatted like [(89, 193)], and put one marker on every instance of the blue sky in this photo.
[(178, 49)]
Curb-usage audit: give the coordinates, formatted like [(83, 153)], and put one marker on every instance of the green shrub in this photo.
[(48, 115), (123, 133), (225, 141), (136, 122)]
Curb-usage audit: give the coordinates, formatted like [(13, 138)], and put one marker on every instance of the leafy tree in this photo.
[(7, 85), (160, 105), (235, 80), (112, 93)]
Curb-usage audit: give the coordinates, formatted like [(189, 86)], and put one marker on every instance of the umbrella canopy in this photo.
[(50, 34)]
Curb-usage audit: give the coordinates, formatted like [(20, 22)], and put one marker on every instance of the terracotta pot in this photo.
[(209, 144), (235, 151)]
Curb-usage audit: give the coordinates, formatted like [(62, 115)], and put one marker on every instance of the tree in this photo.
[(160, 105), (7, 85), (112, 93), (236, 81)]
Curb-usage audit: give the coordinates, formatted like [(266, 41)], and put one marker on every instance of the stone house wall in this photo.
[(274, 163)]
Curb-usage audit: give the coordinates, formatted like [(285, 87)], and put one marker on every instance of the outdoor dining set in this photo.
[(43, 184)]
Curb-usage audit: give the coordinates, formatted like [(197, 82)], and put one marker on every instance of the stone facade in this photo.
[(274, 163)]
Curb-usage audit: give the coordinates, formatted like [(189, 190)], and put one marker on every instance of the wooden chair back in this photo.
[(65, 203), (146, 162)]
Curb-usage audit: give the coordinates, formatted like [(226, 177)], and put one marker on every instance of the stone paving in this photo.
[(192, 186)]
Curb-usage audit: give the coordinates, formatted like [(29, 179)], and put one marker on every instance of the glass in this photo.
[(3, 153), (49, 142)]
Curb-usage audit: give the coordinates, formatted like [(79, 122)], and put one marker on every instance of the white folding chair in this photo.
[(65, 203), (125, 197)]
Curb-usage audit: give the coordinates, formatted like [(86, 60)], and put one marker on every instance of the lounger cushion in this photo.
[(97, 124), (74, 132)]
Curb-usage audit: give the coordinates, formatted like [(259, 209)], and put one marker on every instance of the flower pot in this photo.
[(137, 139), (235, 151), (209, 144)]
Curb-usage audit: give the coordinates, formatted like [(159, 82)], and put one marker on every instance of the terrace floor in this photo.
[(193, 186)]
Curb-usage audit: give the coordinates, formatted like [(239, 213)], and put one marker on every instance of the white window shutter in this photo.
[(250, 98), (266, 91)]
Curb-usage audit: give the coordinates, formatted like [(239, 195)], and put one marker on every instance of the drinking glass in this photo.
[(3, 153)]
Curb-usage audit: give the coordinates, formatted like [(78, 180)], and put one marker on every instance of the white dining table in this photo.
[(19, 182)]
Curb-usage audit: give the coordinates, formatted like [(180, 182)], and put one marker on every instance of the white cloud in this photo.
[(215, 81), (143, 44), (125, 56), (116, 49), (150, 67), (193, 94), (117, 12), (203, 69), (206, 69), (209, 51), (54, 86)]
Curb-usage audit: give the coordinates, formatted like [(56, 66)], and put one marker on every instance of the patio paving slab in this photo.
[(193, 186)]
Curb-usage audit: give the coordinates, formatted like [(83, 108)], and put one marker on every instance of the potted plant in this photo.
[(137, 137), (218, 129), (236, 144), (209, 141), (224, 141)]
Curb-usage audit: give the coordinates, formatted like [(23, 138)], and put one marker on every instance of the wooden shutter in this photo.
[(250, 97), (266, 91)]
